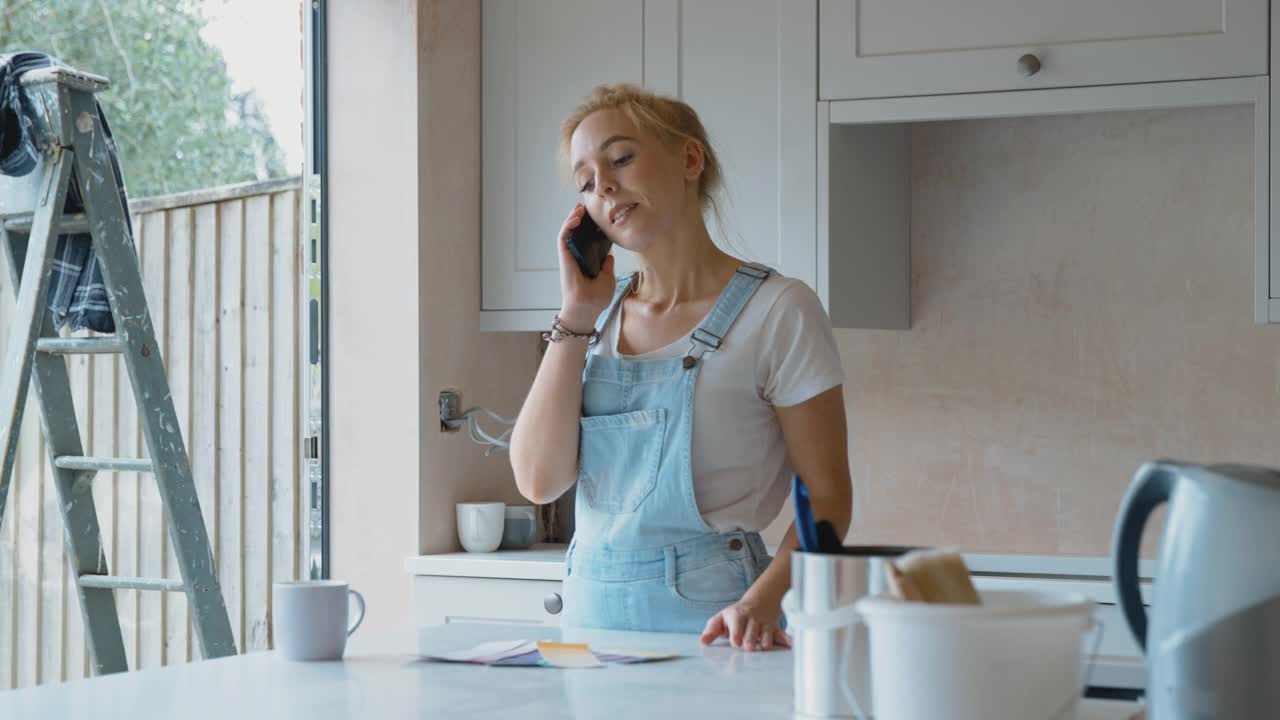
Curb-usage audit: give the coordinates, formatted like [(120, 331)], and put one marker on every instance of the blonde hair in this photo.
[(669, 120)]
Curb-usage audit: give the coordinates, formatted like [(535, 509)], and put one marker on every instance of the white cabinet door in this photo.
[(887, 48), (749, 69), (541, 59), (747, 66), (441, 599)]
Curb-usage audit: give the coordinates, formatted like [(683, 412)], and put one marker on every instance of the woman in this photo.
[(680, 398)]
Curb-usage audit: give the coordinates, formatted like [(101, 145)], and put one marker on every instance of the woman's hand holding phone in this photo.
[(582, 298)]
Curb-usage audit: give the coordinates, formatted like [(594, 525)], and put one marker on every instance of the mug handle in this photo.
[(360, 616)]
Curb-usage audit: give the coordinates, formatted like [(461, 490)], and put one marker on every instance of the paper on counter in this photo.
[(627, 658), (488, 652), (527, 653)]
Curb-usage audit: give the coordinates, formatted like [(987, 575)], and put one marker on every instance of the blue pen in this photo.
[(806, 530)]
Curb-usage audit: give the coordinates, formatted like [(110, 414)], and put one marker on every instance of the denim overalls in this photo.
[(642, 558)]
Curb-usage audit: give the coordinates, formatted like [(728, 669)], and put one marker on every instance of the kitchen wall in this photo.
[(375, 381), (1081, 302), (404, 212), (489, 369)]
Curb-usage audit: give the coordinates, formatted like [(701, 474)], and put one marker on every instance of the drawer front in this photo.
[(887, 48), (439, 600)]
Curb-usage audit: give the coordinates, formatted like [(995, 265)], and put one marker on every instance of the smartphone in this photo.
[(589, 245)]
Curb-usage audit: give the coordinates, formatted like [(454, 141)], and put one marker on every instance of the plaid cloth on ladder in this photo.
[(77, 296)]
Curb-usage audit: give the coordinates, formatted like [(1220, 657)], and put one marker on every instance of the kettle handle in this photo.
[(1152, 485)]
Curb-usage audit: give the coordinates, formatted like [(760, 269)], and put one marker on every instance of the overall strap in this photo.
[(708, 336), (624, 286)]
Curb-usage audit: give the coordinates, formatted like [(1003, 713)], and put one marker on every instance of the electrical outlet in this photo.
[(450, 408)]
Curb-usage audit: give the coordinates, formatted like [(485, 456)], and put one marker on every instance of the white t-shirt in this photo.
[(780, 352)]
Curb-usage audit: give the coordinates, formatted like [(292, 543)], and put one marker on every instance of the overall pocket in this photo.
[(713, 586), (618, 459)]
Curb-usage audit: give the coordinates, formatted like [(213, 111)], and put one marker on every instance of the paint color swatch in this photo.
[(568, 655)]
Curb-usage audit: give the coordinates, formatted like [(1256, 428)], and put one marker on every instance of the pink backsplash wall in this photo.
[(1081, 303)]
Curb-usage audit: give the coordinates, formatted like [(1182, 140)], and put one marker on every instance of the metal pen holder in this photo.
[(823, 582)]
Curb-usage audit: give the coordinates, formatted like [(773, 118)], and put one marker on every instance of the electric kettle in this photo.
[(1213, 642)]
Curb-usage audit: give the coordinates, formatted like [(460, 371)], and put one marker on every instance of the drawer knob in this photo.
[(552, 603), (1028, 64)]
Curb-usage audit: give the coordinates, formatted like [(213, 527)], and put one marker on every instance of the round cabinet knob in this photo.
[(1028, 64), (552, 603)]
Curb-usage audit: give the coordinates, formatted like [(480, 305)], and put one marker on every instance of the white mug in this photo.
[(480, 525), (310, 618)]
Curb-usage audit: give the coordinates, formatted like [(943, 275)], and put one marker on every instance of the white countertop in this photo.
[(545, 561), (715, 681), (1087, 575)]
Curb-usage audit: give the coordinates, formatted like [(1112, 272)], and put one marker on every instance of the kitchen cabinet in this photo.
[(753, 81), (864, 183), (883, 68), (888, 48), (748, 68), (810, 103), (507, 586), (539, 60), (440, 599)]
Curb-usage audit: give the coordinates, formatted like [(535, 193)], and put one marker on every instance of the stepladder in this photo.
[(69, 133)]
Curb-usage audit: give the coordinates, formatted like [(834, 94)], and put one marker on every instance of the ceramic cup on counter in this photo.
[(311, 619), (520, 527), (480, 525)]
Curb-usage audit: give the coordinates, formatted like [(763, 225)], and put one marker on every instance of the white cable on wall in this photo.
[(478, 435)]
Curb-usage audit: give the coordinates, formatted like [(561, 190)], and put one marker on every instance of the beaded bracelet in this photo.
[(559, 332)]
